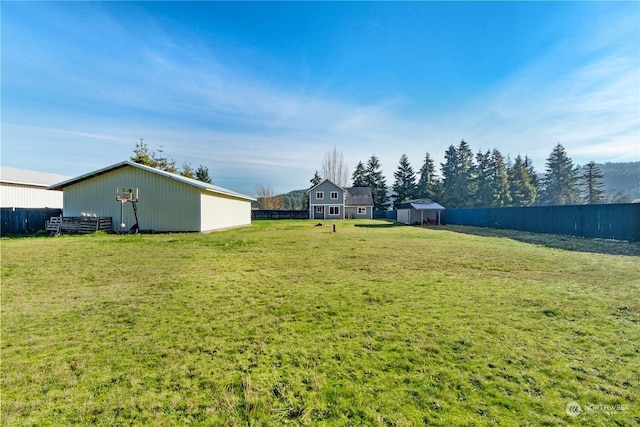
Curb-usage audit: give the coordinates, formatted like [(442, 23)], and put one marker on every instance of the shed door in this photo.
[(403, 216)]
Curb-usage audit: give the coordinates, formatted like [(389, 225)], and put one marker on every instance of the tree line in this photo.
[(156, 159), (486, 179)]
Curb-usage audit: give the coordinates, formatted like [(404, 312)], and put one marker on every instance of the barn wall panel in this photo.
[(219, 212), (165, 204), (24, 196)]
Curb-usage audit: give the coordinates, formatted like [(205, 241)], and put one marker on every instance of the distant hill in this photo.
[(621, 181), (294, 200)]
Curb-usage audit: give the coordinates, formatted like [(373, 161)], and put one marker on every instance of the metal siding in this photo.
[(614, 221), (25, 220), (23, 196), (403, 216), (164, 204), (219, 212)]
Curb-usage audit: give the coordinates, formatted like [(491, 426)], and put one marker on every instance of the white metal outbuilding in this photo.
[(167, 202), (21, 188)]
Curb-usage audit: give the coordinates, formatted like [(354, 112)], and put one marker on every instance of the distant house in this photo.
[(330, 201), (419, 211), (358, 203), (167, 202), (20, 188)]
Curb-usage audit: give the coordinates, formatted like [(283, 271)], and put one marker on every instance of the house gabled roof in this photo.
[(194, 182), (326, 180), (358, 196), (421, 205)]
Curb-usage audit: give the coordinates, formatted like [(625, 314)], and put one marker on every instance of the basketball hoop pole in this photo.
[(124, 195), (122, 202)]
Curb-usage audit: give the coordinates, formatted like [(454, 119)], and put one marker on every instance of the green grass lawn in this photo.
[(287, 323)]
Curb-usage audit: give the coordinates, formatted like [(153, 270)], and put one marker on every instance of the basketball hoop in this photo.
[(124, 195)]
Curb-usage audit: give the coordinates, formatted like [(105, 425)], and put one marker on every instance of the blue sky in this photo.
[(258, 92)]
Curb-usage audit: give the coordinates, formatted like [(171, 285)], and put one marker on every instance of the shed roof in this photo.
[(28, 177), (194, 182), (358, 196), (421, 205)]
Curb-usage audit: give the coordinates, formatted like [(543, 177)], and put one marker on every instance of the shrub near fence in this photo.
[(615, 221), (279, 214), (26, 220)]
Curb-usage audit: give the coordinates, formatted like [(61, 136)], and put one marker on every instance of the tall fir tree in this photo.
[(484, 182), (428, 182), (492, 184), (533, 175), (187, 170), (317, 179), (560, 183), (501, 195), (458, 181), (202, 174), (521, 189), (358, 178), (378, 184), (592, 184), (404, 187)]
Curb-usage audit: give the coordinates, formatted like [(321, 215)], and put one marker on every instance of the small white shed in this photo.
[(420, 211), (167, 202)]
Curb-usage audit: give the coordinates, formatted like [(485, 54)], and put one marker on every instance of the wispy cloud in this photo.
[(187, 97)]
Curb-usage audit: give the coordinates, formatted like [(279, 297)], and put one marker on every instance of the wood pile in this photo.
[(78, 224)]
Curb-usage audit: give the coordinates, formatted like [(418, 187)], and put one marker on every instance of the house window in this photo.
[(334, 195), (362, 211), (334, 210), (319, 194), (319, 209)]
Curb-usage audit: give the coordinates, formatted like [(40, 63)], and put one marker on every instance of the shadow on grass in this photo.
[(375, 225), (556, 241)]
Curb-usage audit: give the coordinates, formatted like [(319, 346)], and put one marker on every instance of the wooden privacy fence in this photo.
[(611, 221), (26, 220), (78, 224)]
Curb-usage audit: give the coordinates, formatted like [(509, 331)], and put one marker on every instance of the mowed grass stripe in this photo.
[(285, 322)]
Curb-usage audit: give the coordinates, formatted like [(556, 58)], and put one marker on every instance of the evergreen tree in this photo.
[(458, 183), (484, 182), (501, 195), (359, 176), (521, 190), (404, 187), (141, 154), (428, 180), (492, 184), (187, 170), (317, 179), (533, 175), (163, 162), (378, 184), (202, 174), (560, 183), (592, 184)]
